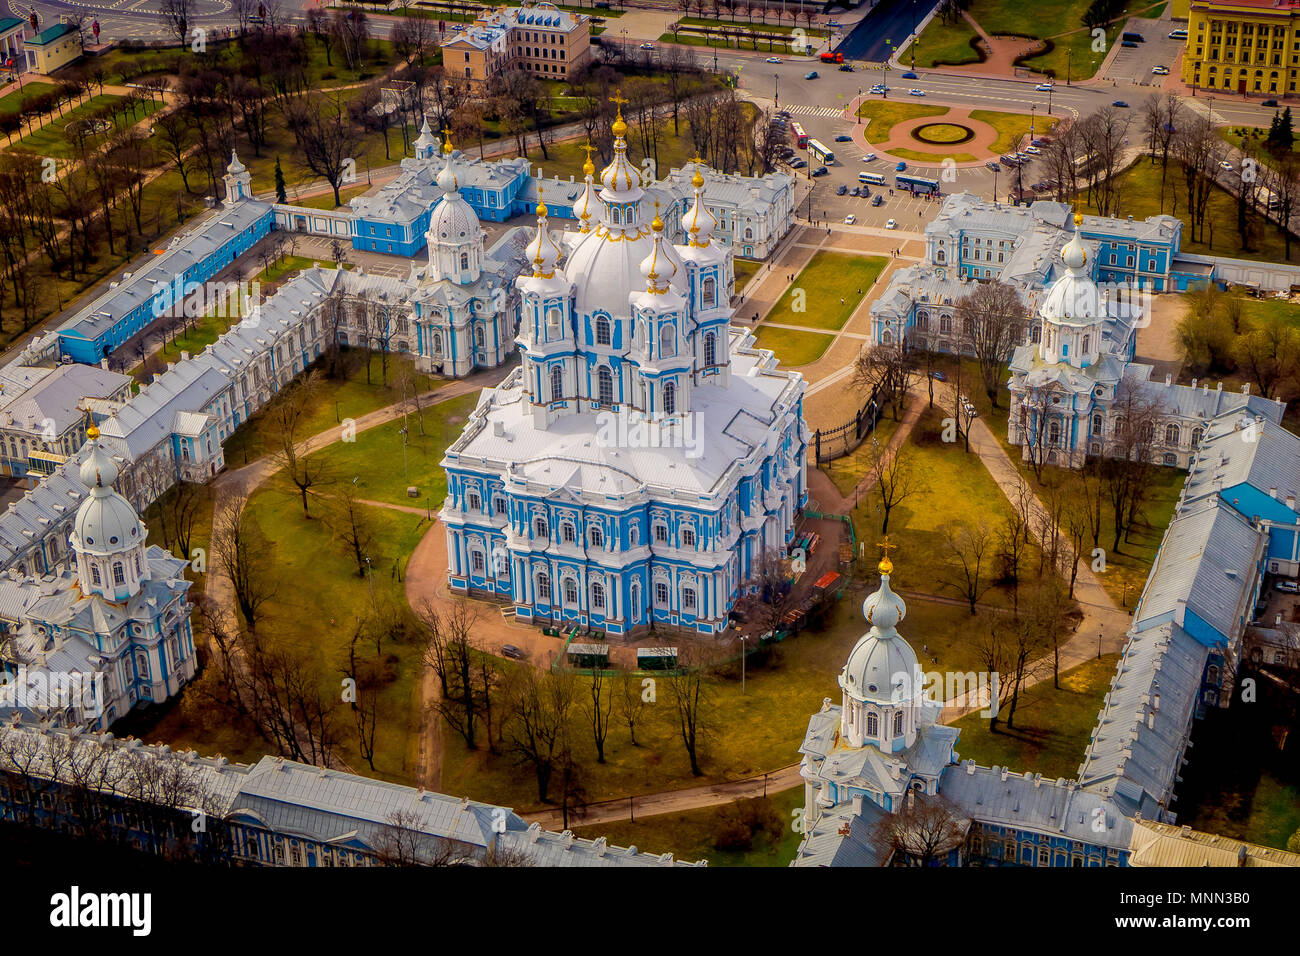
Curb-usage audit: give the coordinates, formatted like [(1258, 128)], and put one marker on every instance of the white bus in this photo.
[(819, 152), (876, 179)]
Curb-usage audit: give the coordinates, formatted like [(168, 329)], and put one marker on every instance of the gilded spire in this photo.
[(886, 566), (446, 141), (698, 179), (589, 168), (619, 129)]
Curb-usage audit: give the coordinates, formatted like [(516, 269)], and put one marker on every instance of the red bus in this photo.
[(800, 137)]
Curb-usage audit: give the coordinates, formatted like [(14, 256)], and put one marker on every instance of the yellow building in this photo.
[(542, 39), (52, 48), (1243, 46)]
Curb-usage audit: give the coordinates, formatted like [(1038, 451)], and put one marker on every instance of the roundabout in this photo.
[(928, 134)]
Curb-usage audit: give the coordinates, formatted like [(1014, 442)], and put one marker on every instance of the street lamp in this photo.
[(858, 106), (1069, 55), (1049, 99), (912, 44), (742, 665), (776, 89)]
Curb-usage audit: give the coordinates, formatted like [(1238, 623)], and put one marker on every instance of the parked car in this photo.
[(1269, 103), (1043, 87), (909, 75), (841, 189), (647, 46), (1130, 44), (843, 139), (877, 200), (856, 191), (1134, 38), (1159, 70), (1041, 141), (797, 164), (784, 114), (1032, 150), (938, 376), (1225, 165), (992, 166), (846, 67), (1288, 587), (900, 167), (1121, 104), (820, 171), (850, 219), (773, 59), (810, 75), (892, 224), (512, 652), (869, 158), (916, 92), (1178, 35)]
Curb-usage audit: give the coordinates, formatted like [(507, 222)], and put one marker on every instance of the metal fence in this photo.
[(832, 443)]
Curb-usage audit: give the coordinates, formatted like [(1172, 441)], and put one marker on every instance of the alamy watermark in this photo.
[(180, 298), (631, 429), (45, 690)]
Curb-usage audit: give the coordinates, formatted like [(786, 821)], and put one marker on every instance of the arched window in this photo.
[(923, 321), (1196, 437), (1036, 334), (464, 260), (749, 233), (598, 596), (1054, 433), (478, 337), (540, 529), (710, 291), (94, 574), (636, 601), (1097, 424), (1212, 674), (670, 398), (1087, 343), (667, 341), (567, 532), (1172, 434), (544, 587), (898, 723), (557, 383), (886, 337), (119, 573), (945, 324), (661, 594), (602, 331), (873, 725), (605, 379), (710, 348), (137, 565), (570, 591)]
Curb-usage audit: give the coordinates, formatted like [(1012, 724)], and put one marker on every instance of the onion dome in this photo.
[(1074, 297), (105, 522), (697, 222), (542, 251), (620, 176), (447, 178), (424, 143), (658, 267), (882, 666), (587, 206), (235, 166)]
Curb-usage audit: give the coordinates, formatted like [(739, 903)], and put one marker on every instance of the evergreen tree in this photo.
[(281, 192), (1286, 132)]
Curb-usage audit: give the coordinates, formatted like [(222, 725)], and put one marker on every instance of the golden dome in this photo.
[(541, 209), (1078, 219), (619, 128), (589, 168), (698, 179), (92, 432), (446, 141)]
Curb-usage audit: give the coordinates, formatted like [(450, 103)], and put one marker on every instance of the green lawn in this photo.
[(1139, 197), (337, 399), (49, 140), (826, 292), (1012, 127), (930, 159), (11, 102), (382, 446), (690, 835), (941, 44), (792, 347), (1052, 726), (326, 200), (882, 116), (745, 270), (952, 487)]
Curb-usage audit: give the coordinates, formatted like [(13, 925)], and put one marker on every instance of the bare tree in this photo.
[(692, 697), (288, 414), (922, 833), (540, 707), (629, 698), (970, 546), (176, 15), (244, 556), (992, 321), (896, 477), (451, 652), (327, 140), (597, 707), (349, 519)]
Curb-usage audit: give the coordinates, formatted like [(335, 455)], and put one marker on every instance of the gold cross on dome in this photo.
[(886, 547), (619, 99), (589, 149)]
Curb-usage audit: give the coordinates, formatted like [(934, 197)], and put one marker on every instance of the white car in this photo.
[(1032, 150), (773, 59), (892, 224), (869, 158), (1160, 70), (647, 46), (1044, 87), (915, 92), (850, 219), (1224, 164)]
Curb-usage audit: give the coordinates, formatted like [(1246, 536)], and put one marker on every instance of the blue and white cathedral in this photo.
[(645, 454)]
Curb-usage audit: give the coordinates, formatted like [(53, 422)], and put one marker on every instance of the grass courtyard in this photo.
[(827, 291), (793, 347)]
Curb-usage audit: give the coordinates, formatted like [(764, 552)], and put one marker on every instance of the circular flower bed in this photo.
[(943, 134)]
